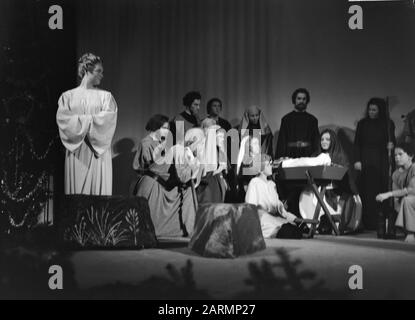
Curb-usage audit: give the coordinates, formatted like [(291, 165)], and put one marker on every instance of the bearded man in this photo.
[(299, 135)]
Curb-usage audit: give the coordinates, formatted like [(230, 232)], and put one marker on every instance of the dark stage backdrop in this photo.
[(41, 62), (248, 52)]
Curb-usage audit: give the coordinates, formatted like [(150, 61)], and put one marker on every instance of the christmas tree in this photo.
[(27, 146)]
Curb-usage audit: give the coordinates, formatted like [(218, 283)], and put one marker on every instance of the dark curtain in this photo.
[(247, 52)]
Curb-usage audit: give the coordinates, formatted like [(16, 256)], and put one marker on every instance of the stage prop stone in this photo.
[(227, 230), (87, 222)]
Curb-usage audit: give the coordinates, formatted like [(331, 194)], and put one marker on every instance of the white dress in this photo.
[(308, 203), (87, 119), (264, 194)]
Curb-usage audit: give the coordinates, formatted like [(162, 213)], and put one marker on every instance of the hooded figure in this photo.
[(254, 124)]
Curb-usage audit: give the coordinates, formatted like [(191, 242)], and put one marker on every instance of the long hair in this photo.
[(381, 104), (335, 150)]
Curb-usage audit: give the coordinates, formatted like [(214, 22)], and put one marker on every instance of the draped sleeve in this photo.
[(73, 125), (402, 180), (252, 193), (187, 166), (143, 156), (410, 178), (103, 125)]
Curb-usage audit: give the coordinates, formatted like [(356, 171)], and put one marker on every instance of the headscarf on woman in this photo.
[(262, 123)]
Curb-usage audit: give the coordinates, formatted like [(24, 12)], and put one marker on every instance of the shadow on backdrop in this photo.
[(122, 166)]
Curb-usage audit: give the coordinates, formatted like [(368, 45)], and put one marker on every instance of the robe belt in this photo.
[(299, 144), (166, 184)]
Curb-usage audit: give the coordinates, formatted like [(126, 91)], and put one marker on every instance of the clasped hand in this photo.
[(383, 196)]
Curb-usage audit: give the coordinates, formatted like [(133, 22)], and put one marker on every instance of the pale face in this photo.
[(325, 141), (402, 158), (96, 76), (253, 116), (194, 108), (267, 169), (164, 129), (215, 109), (373, 111), (301, 98), (255, 148)]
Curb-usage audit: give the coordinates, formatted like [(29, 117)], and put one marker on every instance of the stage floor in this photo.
[(388, 270)]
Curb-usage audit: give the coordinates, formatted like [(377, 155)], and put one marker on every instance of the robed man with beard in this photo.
[(299, 135)]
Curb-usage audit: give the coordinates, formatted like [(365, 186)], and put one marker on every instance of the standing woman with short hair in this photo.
[(403, 190), (87, 118), (166, 177)]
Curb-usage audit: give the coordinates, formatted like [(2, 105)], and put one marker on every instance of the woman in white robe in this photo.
[(87, 118), (263, 193)]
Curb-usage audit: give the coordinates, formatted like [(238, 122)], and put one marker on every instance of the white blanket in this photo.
[(321, 160)]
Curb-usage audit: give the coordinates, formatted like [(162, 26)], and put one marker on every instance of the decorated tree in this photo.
[(27, 142), (36, 65)]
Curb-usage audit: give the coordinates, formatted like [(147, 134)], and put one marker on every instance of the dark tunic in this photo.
[(370, 149), (298, 126), (230, 176), (189, 121), (213, 188), (224, 124)]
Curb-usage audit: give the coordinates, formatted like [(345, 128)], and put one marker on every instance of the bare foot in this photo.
[(410, 238)]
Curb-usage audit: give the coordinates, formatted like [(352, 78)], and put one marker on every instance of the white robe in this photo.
[(308, 204), (87, 119), (264, 194)]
